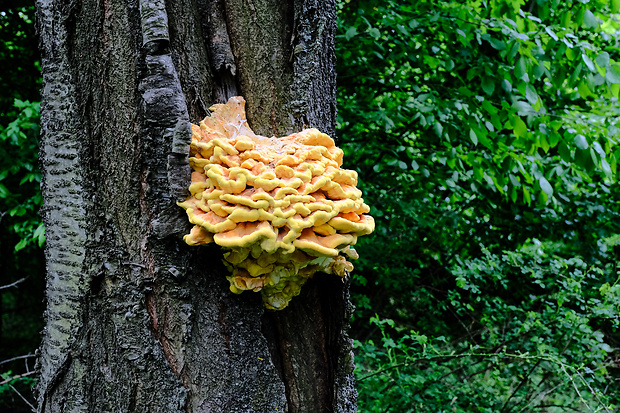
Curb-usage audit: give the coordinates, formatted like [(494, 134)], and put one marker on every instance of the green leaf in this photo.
[(506, 85), (589, 20), (564, 151), (606, 168), (588, 62), (527, 197), (583, 158), (530, 94), (540, 70), (583, 90), (39, 231), (599, 149), (21, 244), (551, 33), (581, 142), (553, 138), (544, 144), (613, 73), (18, 211), (478, 173), (497, 44), (615, 6), (374, 32), (602, 60), (545, 186), (520, 128), (542, 199), (438, 127), (523, 108), (521, 68), (514, 194), (488, 85), (351, 32), (473, 137), (3, 191), (577, 73)]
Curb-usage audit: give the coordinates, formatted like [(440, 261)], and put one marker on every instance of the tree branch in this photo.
[(13, 284), (17, 358), (19, 376)]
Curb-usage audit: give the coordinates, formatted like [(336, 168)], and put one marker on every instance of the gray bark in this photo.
[(137, 321)]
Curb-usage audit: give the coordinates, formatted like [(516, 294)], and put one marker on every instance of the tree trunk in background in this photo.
[(137, 321)]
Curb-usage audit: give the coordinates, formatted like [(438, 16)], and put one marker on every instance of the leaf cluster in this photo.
[(20, 177), (485, 136), (20, 74)]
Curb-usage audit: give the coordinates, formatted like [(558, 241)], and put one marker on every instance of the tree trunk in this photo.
[(137, 321)]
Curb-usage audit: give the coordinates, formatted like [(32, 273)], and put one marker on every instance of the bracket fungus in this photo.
[(281, 208)]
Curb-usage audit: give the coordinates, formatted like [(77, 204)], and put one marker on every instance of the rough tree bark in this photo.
[(137, 321)]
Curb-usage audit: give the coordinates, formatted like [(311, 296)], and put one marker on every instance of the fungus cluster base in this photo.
[(281, 208)]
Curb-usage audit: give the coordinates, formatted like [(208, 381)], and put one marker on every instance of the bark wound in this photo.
[(160, 333)]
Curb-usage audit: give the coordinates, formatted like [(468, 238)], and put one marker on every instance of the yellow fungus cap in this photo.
[(281, 208)]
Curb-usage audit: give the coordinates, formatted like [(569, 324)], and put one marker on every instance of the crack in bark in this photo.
[(217, 39), (160, 335), (274, 117)]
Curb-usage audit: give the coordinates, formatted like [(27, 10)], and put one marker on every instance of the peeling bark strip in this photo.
[(136, 320), (165, 111)]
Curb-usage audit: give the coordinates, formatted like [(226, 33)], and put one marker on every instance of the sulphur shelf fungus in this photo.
[(281, 208)]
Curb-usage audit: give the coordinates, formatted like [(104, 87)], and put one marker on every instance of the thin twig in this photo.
[(592, 391), (525, 379), (541, 396), (13, 284), (19, 376), (445, 357), (23, 398), (575, 386), (17, 358), (545, 406)]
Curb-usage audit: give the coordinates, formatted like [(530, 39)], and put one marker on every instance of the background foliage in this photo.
[(484, 133), (20, 74), (21, 231), (485, 136)]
